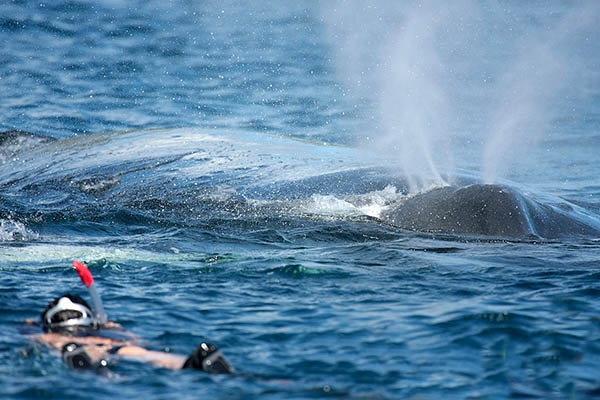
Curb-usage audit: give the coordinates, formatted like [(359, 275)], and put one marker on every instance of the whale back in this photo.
[(193, 175), (474, 209), (489, 210), (15, 141)]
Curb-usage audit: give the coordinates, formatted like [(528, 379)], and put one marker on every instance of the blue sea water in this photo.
[(235, 202)]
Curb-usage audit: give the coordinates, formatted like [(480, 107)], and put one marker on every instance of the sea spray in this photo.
[(543, 69), (461, 84), (397, 61)]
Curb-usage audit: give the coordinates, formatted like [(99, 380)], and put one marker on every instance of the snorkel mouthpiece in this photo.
[(87, 279)]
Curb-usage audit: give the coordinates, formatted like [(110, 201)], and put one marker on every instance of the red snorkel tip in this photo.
[(84, 273)]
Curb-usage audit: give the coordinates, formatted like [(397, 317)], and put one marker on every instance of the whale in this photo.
[(491, 210), (189, 176)]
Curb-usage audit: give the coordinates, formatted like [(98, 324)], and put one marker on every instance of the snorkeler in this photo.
[(89, 342)]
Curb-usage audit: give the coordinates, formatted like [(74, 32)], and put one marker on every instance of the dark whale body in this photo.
[(491, 210), (193, 176)]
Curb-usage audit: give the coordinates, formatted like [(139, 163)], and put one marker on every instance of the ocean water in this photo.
[(213, 165)]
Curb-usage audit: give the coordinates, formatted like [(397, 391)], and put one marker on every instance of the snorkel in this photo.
[(88, 281)]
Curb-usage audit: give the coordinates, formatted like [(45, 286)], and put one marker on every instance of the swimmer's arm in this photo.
[(57, 340), (98, 348), (52, 340), (158, 358)]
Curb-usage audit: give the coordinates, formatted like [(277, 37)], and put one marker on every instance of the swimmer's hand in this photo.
[(112, 325)]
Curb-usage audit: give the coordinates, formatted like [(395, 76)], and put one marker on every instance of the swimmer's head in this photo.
[(68, 313)]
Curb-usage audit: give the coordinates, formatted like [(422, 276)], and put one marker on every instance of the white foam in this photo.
[(11, 231), (378, 201), (371, 204), (330, 205), (41, 252)]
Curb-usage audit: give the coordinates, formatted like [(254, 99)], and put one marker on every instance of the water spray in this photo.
[(88, 281)]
